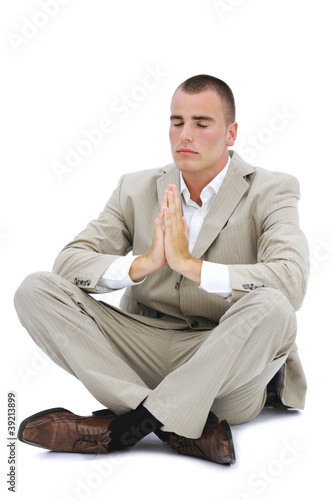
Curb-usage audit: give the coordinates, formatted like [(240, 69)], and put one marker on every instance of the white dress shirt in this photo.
[(214, 277)]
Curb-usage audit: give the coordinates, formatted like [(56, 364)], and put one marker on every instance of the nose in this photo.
[(186, 133)]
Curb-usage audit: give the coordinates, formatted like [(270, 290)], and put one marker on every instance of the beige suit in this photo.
[(220, 352)]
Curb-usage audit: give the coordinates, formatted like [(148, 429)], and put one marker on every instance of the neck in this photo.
[(197, 181), (195, 189)]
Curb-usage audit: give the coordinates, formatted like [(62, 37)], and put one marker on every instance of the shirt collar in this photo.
[(210, 189)]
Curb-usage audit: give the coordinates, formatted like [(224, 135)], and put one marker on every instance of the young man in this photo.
[(218, 267)]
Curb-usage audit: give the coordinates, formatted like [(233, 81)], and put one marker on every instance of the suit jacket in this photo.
[(252, 226)]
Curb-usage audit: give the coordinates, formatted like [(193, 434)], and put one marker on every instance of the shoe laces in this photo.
[(101, 440), (183, 442)]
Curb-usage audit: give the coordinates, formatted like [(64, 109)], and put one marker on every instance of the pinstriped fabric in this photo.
[(232, 367), (252, 227), (122, 359)]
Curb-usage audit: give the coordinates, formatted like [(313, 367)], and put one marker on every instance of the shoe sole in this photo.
[(230, 440), (33, 417)]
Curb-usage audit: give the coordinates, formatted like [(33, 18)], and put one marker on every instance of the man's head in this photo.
[(201, 83), (202, 127)]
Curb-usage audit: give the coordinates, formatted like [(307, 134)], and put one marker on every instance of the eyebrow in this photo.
[(201, 117)]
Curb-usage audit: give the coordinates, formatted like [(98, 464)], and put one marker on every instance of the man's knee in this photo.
[(267, 309), (272, 300), (276, 310), (276, 303), (34, 284)]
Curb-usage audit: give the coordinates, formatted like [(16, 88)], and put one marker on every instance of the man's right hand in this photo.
[(154, 259)]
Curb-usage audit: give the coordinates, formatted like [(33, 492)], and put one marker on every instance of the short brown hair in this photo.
[(200, 83)]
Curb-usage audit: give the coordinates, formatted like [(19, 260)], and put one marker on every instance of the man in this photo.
[(207, 322)]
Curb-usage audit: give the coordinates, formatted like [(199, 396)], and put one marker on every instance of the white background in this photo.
[(61, 73)]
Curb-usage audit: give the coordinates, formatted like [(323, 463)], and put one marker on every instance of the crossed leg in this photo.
[(179, 373)]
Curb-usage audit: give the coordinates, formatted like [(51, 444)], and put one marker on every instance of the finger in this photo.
[(158, 223), (174, 189), (178, 205), (162, 212), (164, 201), (171, 208), (185, 227), (175, 200), (170, 203), (167, 221)]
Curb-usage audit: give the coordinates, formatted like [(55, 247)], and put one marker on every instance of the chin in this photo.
[(186, 164)]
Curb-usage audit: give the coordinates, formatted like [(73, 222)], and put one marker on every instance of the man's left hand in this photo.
[(176, 238)]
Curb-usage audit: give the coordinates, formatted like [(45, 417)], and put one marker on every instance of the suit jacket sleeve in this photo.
[(92, 251), (282, 250)]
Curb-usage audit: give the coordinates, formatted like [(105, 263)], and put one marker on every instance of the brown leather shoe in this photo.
[(61, 430), (215, 444)]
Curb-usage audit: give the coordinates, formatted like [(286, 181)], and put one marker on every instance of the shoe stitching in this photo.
[(184, 443), (101, 440)]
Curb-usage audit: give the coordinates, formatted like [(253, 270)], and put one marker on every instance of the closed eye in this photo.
[(198, 125)]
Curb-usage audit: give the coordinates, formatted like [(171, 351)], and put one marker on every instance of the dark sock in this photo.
[(128, 429)]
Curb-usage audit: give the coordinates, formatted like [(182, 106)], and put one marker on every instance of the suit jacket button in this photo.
[(177, 286), (88, 283), (194, 324)]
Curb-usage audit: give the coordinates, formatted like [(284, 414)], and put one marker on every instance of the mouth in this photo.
[(186, 151)]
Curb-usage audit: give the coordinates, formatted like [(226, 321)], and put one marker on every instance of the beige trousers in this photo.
[(180, 374)]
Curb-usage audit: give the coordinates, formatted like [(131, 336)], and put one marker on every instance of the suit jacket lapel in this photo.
[(229, 195), (171, 176)]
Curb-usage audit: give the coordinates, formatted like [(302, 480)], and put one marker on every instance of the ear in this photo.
[(231, 134)]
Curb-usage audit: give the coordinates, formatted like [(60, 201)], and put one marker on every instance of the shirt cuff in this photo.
[(116, 275), (215, 278)]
